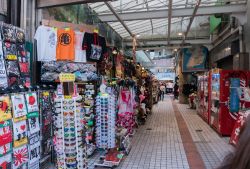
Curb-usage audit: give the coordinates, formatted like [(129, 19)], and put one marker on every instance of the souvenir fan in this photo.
[(20, 133), (31, 100), (20, 156), (5, 137), (13, 81), (8, 32), (20, 35), (19, 107), (5, 108), (5, 161)]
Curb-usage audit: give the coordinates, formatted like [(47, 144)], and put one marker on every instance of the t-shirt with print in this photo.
[(80, 55), (46, 43), (65, 45), (93, 43)]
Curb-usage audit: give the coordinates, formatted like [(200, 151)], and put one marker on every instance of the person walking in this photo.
[(163, 89)]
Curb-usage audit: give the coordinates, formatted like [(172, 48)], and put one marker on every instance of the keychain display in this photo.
[(69, 142)]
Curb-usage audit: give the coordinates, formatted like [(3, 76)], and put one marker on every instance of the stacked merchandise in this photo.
[(5, 132), (26, 149), (106, 116), (68, 45), (34, 130), (87, 91), (126, 105), (83, 72), (46, 109), (20, 128), (69, 142), (16, 64)]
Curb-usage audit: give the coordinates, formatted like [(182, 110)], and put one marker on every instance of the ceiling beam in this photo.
[(119, 18), (53, 3), (176, 12), (171, 42), (169, 18), (191, 20)]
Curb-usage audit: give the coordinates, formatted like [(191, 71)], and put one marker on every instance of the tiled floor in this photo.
[(158, 143)]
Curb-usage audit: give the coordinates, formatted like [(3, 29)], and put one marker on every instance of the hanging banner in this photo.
[(194, 59)]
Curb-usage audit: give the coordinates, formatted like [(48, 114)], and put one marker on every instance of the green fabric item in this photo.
[(214, 23)]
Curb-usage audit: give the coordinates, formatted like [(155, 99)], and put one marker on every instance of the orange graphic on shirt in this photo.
[(65, 45)]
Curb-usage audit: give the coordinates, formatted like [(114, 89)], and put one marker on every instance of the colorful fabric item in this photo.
[(20, 156), (127, 121), (19, 106), (8, 32), (20, 133), (46, 38), (95, 46), (31, 100), (5, 108), (5, 161), (5, 137), (65, 45), (80, 55)]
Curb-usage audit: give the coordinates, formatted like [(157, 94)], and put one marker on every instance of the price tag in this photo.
[(46, 93), (11, 57), (67, 77), (67, 97)]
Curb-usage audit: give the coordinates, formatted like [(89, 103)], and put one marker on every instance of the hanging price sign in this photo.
[(11, 57), (67, 77)]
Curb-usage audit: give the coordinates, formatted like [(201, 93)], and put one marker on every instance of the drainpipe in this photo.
[(242, 46)]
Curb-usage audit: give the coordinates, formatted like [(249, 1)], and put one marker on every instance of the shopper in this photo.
[(176, 91), (240, 158), (162, 88)]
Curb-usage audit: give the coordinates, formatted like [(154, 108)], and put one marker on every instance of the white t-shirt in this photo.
[(80, 55), (46, 43)]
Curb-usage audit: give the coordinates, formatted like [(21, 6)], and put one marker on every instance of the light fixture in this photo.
[(155, 63), (175, 50), (138, 35), (147, 50), (180, 34)]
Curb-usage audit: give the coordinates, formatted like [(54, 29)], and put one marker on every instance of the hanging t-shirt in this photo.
[(46, 43), (65, 45), (95, 46), (80, 55)]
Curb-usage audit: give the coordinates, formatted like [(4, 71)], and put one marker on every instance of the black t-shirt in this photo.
[(94, 45)]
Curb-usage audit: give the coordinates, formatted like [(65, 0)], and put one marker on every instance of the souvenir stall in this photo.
[(225, 103)]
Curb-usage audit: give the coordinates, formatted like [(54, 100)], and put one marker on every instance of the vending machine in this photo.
[(203, 97), (225, 102)]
